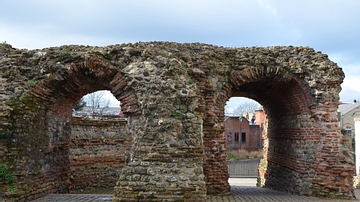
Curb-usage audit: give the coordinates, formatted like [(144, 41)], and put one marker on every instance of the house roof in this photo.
[(347, 107)]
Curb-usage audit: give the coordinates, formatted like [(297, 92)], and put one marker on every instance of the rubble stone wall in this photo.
[(174, 95)]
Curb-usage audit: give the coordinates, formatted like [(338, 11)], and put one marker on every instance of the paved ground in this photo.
[(242, 189)]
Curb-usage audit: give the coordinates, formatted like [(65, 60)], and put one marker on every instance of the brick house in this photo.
[(246, 131)]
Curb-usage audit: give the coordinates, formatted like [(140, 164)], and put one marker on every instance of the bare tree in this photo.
[(98, 102), (246, 107)]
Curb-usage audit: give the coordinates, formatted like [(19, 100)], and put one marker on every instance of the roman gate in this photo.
[(174, 95)]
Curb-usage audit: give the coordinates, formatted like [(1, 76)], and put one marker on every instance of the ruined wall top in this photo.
[(32, 67)]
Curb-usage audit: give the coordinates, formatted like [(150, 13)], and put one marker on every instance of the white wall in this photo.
[(357, 144)]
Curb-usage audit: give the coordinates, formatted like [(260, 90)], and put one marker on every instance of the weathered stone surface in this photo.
[(175, 95)]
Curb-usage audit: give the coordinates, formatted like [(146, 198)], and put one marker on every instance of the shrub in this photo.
[(242, 154), (232, 156)]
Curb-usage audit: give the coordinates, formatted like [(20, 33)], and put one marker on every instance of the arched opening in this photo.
[(84, 152), (285, 100), (286, 104), (98, 143), (98, 104), (244, 128)]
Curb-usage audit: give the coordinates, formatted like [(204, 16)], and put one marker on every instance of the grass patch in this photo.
[(243, 154), (12, 188), (64, 53), (13, 100), (4, 43), (178, 114), (5, 174), (31, 83), (24, 97), (35, 59)]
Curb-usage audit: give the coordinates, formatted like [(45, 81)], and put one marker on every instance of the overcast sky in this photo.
[(329, 26)]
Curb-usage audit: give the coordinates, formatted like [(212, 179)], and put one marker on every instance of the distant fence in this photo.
[(243, 168)]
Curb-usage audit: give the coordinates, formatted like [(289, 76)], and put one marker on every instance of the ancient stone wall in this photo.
[(33, 153), (98, 148), (175, 95)]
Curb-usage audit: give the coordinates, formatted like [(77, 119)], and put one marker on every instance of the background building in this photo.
[(347, 112), (246, 131)]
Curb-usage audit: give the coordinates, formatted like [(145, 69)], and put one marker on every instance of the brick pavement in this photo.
[(256, 194), (238, 193), (75, 198)]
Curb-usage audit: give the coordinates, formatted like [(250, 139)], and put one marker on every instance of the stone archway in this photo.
[(293, 138), (175, 94), (302, 122)]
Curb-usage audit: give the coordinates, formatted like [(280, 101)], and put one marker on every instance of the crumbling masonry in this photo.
[(174, 95)]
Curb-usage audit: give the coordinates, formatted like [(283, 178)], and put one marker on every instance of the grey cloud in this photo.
[(330, 27)]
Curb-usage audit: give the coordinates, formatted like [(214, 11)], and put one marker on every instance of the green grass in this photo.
[(103, 52), (4, 173), (243, 154), (3, 43), (13, 100), (24, 97), (12, 188), (178, 114), (31, 83), (35, 59), (64, 52)]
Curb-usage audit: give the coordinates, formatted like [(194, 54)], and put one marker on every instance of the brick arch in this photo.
[(283, 96), (274, 87), (60, 92), (286, 100), (295, 135), (64, 88)]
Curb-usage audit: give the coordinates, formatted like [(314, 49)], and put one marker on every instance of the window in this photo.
[(243, 137), (236, 137), (348, 129), (229, 137)]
